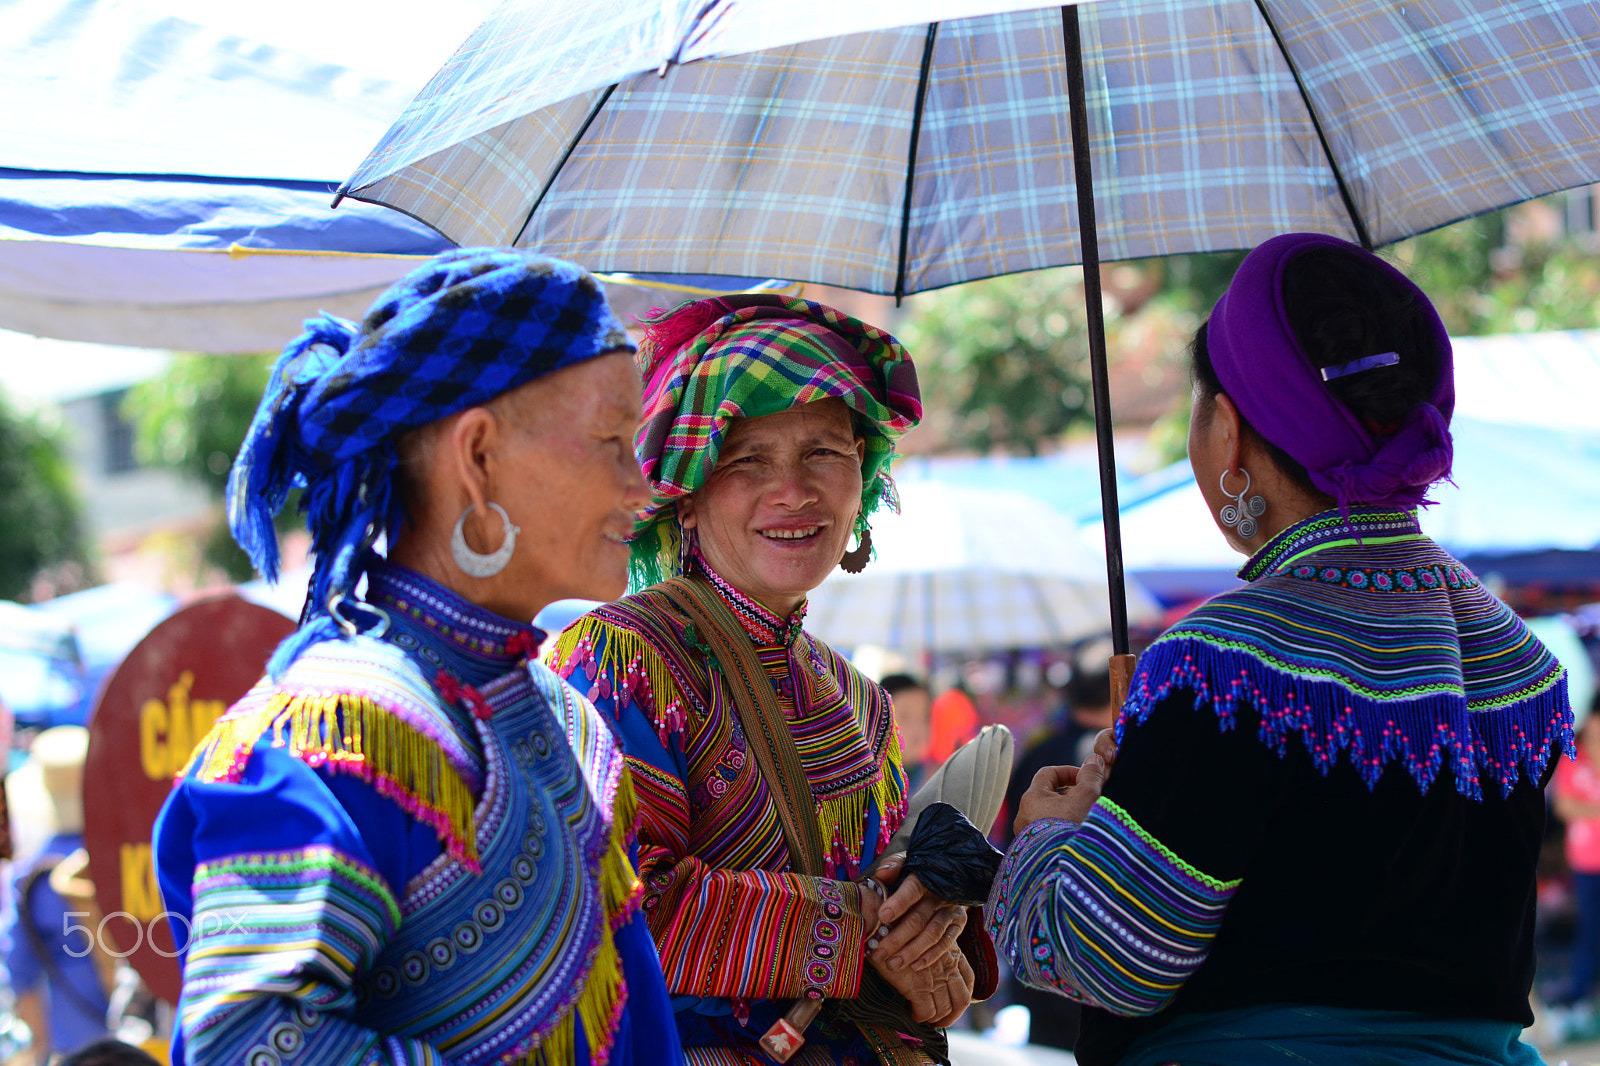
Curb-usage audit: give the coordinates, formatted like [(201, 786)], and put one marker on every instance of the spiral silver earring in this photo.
[(477, 564), (1241, 515)]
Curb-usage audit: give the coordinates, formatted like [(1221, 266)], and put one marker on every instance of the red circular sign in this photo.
[(153, 711)]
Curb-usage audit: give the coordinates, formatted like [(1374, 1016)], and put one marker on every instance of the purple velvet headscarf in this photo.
[(1282, 395)]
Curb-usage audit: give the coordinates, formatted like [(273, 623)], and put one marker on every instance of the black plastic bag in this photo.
[(951, 856)]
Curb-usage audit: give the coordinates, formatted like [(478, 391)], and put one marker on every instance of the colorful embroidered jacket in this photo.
[(413, 847), (736, 929), (1329, 791)]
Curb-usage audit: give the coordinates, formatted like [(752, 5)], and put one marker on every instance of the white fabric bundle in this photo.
[(973, 781)]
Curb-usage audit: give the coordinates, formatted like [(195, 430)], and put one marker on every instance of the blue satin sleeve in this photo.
[(285, 886)]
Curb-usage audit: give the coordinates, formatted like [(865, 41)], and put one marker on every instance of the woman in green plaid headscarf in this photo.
[(712, 361), (769, 425)]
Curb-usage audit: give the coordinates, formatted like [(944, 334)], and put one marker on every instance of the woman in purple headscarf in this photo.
[(1319, 841)]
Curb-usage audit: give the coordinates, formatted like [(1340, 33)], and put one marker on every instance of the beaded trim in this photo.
[(1330, 528), (1418, 579), (472, 628), (763, 625)]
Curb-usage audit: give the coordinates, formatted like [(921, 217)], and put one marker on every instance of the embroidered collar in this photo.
[(1331, 529), (450, 633), (764, 627)]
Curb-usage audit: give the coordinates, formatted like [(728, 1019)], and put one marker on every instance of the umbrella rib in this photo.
[(911, 160), (1316, 123), (555, 172)]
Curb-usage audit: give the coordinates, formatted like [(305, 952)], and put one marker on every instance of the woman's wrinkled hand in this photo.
[(920, 927), (939, 990), (1068, 792), (912, 943)]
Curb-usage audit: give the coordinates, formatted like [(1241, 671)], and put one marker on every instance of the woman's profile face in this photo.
[(775, 515), (572, 482)]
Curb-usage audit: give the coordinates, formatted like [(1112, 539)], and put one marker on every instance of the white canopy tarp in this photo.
[(166, 166), (969, 570)]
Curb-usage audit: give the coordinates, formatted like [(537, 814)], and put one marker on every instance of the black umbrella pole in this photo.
[(1088, 240)]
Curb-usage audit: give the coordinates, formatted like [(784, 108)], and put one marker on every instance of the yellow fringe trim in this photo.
[(597, 1005), (618, 650), (358, 736), (619, 881), (845, 817)]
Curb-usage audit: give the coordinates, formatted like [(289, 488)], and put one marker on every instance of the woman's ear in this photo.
[(687, 519), (1228, 429), (861, 449), (471, 443)]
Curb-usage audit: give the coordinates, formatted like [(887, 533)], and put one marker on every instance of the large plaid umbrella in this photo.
[(871, 147)]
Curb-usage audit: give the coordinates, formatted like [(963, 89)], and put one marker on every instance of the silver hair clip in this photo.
[(1371, 362)]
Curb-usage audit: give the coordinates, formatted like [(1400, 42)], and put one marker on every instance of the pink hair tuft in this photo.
[(665, 336)]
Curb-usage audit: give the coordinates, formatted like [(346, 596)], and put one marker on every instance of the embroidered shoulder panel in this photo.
[(359, 707), (499, 963), (641, 651), (1384, 651)]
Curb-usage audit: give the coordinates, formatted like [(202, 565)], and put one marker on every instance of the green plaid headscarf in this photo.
[(709, 362)]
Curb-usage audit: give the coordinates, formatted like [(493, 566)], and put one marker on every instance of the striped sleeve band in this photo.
[(1103, 913)]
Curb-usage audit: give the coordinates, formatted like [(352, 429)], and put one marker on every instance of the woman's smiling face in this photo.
[(775, 515)]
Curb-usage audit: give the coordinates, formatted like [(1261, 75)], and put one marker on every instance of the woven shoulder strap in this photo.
[(878, 1011), (759, 714)]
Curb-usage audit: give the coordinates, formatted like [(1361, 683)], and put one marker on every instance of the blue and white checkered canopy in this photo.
[(863, 145)]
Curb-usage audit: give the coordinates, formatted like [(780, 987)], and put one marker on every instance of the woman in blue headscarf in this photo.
[(410, 842)]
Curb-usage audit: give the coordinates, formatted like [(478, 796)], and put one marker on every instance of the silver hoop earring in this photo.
[(473, 563), (1242, 513)]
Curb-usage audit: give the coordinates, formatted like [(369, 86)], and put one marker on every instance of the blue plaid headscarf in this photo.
[(455, 333)]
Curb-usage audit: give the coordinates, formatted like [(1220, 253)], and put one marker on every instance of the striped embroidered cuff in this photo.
[(1104, 913), (834, 961), (298, 923)]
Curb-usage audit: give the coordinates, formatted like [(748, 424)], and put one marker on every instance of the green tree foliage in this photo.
[(1007, 359), (192, 419), (1482, 284), (41, 523)]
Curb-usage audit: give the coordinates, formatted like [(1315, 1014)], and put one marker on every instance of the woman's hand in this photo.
[(920, 927), (939, 991), (1068, 792), (913, 945), (913, 922)]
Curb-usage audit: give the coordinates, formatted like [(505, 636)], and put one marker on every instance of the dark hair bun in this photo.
[(1341, 310)]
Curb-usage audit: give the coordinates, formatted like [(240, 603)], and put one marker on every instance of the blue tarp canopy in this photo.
[(162, 157), (1525, 502), (166, 181)]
